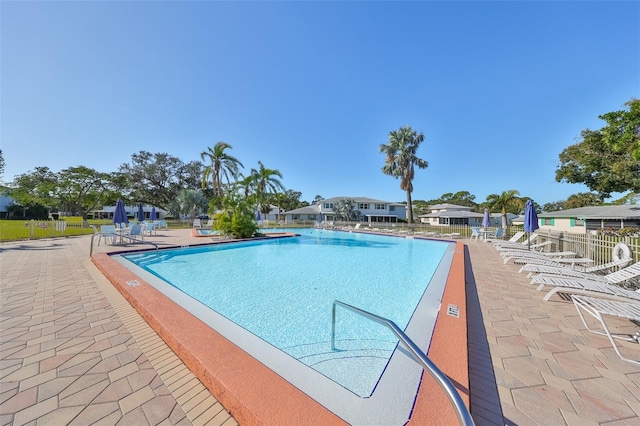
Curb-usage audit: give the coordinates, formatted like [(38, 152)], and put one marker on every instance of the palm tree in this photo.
[(507, 200), (222, 165), (401, 160), (265, 181)]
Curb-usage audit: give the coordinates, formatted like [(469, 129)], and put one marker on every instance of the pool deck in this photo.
[(73, 351)]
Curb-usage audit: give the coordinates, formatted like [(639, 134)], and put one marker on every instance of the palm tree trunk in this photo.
[(409, 208)]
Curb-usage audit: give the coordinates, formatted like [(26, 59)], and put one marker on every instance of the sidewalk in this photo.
[(74, 352)]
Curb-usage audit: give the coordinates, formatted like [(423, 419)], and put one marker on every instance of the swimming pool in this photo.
[(357, 253)]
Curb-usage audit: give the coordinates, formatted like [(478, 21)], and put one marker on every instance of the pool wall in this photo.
[(256, 395)]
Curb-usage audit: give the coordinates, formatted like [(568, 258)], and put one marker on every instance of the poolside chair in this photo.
[(599, 308), (523, 256), (515, 244), (581, 286), (620, 276), (197, 223), (475, 233), (513, 239), (134, 233), (539, 247), (495, 235), (108, 231), (161, 224), (572, 270), (149, 228)]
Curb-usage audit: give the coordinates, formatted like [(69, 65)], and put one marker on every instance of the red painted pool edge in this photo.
[(253, 393)]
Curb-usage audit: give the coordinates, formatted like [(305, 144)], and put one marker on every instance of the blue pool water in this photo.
[(282, 291)]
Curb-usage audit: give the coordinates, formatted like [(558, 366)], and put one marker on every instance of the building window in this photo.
[(328, 205), (381, 206), (363, 206), (392, 208)]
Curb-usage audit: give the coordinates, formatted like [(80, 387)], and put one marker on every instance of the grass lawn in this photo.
[(16, 230)]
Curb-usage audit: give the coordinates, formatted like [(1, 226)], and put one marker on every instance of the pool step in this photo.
[(148, 258), (355, 364), (318, 353)]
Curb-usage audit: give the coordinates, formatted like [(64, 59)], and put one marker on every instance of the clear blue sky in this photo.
[(498, 89)]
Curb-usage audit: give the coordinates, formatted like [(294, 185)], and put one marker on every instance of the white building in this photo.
[(451, 214), (592, 218), (371, 210)]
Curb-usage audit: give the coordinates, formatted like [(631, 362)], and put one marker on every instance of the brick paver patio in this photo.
[(73, 351)]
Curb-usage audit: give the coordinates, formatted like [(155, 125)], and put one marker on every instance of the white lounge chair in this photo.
[(524, 256), (616, 277), (571, 270), (596, 283), (599, 308), (513, 240), (516, 244), (197, 223), (578, 286)]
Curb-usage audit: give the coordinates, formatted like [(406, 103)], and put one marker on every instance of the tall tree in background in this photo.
[(221, 165), (157, 179), (582, 199), (606, 160), (74, 189), (401, 160), (1, 164), (266, 181), (508, 201)]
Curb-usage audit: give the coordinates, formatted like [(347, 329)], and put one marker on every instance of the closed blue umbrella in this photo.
[(140, 212), (530, 219), (120, 214), (153, 213), (486, 220), (258, 218)]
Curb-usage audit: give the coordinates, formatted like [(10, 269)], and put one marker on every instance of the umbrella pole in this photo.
[(529, 240)]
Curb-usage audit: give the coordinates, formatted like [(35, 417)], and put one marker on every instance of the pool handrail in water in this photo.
[(464, 416)]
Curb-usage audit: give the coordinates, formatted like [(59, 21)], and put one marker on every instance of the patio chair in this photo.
[(197, 223), (588, 287), (495, 236), (599, 308), (610, 283), (515, 244), (108, 231), (149, 228), (514, 238), (616, 277), (475, 233), (523, 256), (134, 233), (539, 247), (572, 270)]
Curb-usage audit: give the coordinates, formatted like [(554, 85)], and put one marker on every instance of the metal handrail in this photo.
[(123, 236), (464, 416)]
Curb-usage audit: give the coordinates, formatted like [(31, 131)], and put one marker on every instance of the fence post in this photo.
[(32, 226)]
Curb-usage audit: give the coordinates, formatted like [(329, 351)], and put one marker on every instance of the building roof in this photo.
[(312, 209), (445, 206), (453, 213), (359, 200), (627, 211)]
